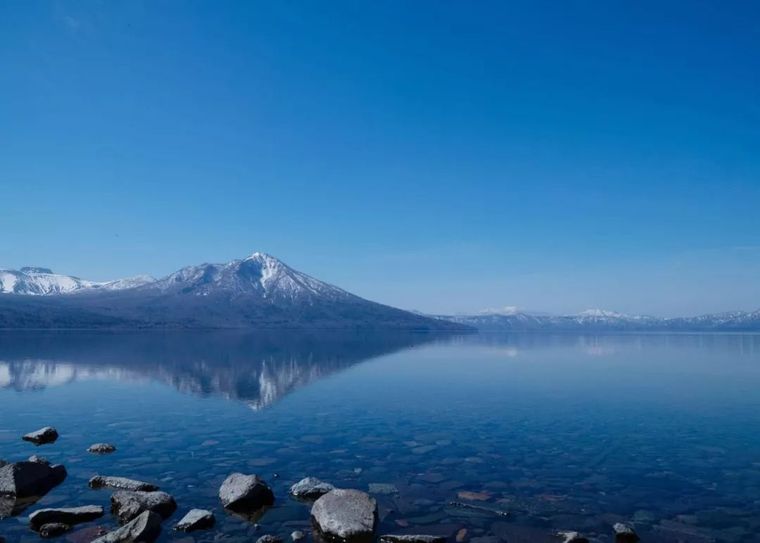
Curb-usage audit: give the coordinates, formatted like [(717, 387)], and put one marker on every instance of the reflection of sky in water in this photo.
[(563, 431)]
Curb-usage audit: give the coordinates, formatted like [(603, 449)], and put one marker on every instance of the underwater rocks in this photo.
[(571, 537), (245, 493), (345, 515), (121, 483), (412, 539), (196, 519), (29, 479), (269, 539), (145, 528), (53, 529), (101, 448), (48, 434), (69, 516), (127, 505), (310, 488), (624, 533)]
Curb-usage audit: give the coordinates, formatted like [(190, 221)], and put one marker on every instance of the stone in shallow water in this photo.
[(269, 539), (196, 519), (68, 515), (624, 533), (39, 459), (245, 493), (345, 515), (48, 434), (122, 483), (101, 448), (310, 488), (127, 505), (382, 488), (143, 529), (29, 479), (53, 529), (412, 539), (569, 536), (298, 535)]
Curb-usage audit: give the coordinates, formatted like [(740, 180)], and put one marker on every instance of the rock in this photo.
[(461, 536), (70, 516), (412, 539), (143, 529), (382, 488), (269, 539), (101, 448), (196, 519), (48, 434), (53, 529), (127, 505), (310, 488), (122, 483), (624, 533), (38, 459), (571, 537), (245, 493), (345, 515), (298, 535), (29, 479)]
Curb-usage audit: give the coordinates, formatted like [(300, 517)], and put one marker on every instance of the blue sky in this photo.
[(441, 156)]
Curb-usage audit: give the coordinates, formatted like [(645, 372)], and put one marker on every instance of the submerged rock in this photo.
[(101, 448), (310, 488), (54, 529), (143, 529), (39, 459), (127, 505), (68, 515), (298, 535), (122, 483), (571, 537), (412, 539), (624, 533), (245, 493), (29, 479), (269, 539), (48, 434), (196, 519), (345, 515)]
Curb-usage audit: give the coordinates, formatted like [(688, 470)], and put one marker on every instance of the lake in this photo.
[(562, 432)]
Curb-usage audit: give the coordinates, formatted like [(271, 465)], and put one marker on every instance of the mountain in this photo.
[(604, 320), (259, 291), (35, 281)]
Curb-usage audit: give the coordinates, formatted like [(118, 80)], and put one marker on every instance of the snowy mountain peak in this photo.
[(36, 281), (601, 314)]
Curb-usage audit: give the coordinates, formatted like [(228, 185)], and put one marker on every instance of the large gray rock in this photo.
[(624, 533), (122, 483), (67, 515), (53, 529), (310, 488), (245, 493), (196, 519), (101, 448), (390, 538), (143, 529), (48, 434), (29, 479), (127, 505), (345, 515)]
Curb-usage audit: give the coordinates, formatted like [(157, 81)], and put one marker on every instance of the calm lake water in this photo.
[(562, 431)]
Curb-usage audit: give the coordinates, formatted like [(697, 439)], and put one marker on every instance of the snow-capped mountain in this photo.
[(34, 281), (257, 291)]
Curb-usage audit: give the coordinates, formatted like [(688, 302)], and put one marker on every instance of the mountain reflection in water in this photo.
[(257, 368)]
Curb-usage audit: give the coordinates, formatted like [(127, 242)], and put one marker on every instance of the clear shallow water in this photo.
[(564, 432)]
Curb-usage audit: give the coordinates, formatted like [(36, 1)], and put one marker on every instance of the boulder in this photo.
[(345, 515), (412, 539), (571, 537), (127, 505), (624, 533), (310, 488), (68, 515), (53, 529), (39, 459), (298, 535), (122, 483), (29, 479), (101, 448), (48, 434), (196, 519), (143, 529), (245, 493)]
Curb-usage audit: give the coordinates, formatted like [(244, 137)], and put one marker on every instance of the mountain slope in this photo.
[(34, 281), (258, 291)]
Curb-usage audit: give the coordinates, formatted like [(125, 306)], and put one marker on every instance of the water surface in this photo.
[(561, 431)]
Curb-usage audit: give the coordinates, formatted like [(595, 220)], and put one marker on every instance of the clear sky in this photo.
[(440, 156)]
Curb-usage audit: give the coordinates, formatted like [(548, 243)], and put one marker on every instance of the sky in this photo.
[(439, 156)]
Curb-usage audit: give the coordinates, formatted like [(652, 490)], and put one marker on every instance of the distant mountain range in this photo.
[(256, 292), (603, 320)]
